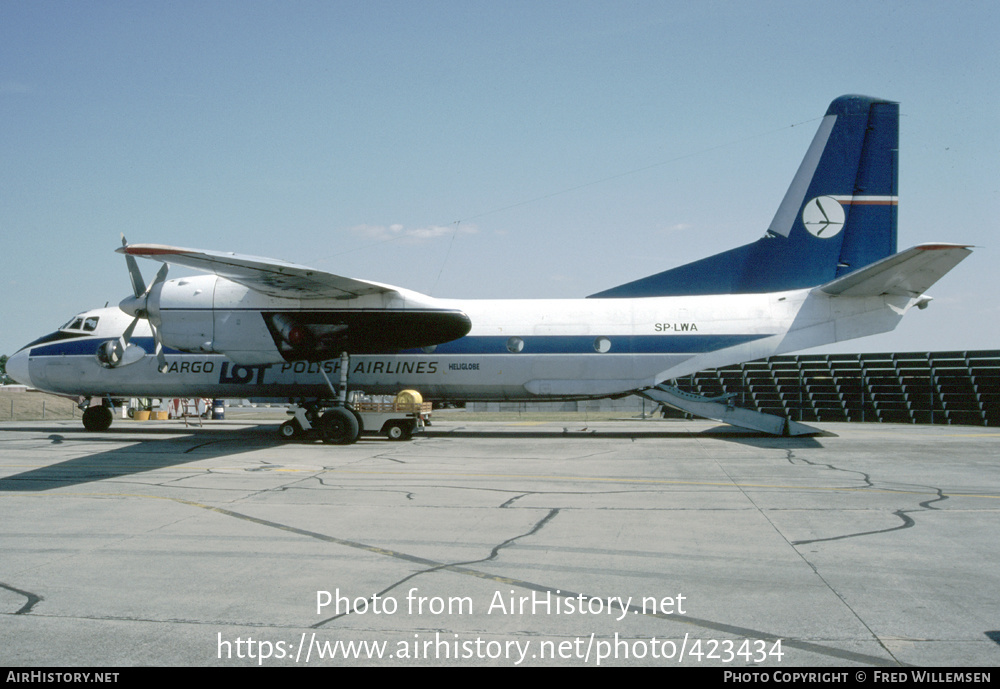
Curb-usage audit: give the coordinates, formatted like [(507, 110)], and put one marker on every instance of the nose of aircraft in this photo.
[(17, 368)]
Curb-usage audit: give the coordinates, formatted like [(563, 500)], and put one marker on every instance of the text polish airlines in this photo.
[(826, 270)]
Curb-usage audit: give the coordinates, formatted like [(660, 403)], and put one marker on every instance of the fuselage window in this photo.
[(90, 324)]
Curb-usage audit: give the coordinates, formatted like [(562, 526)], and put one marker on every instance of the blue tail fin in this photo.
[(838, 215)]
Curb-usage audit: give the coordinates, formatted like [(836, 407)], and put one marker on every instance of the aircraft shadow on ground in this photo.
[(149, 452)]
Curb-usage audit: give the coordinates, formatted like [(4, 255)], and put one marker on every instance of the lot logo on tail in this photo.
[(823, 217)]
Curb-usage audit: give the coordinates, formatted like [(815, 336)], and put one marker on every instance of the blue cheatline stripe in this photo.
[(90, 345), (585, 344), (533, 344)]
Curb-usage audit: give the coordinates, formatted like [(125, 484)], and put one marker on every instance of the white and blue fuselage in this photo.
[(826, 270), (516, 349)]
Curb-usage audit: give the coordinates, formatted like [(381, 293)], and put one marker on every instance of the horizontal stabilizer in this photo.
[(909, 273), (266, 275)]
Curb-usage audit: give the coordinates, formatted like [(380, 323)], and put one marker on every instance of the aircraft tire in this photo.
[(398, 431), (289, 430), (97, 419), (361, 422), (339, 426)]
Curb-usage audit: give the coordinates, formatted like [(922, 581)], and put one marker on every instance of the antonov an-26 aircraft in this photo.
[(825, 270)]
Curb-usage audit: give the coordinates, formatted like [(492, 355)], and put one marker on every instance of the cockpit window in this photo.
[(80, 323)]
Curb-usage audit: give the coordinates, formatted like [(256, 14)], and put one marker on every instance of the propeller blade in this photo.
[(161, 275), (118, 353), (138, 306), (138, 284), (112, 352), (161, 358), (127, 335)]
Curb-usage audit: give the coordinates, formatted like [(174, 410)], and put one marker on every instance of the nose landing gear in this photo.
[(97, 418)]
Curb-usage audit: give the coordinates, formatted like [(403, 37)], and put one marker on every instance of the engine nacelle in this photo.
[(208, 314)]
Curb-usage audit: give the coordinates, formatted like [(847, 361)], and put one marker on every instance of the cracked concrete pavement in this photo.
[(499, 543)]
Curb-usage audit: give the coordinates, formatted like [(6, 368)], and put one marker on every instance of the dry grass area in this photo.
[(17, 405)]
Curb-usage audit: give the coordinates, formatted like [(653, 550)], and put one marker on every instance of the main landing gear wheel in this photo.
[(339, 426), (289, 430), (97, 418)]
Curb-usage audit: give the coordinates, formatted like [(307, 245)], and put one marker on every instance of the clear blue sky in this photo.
[(316, 131)]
